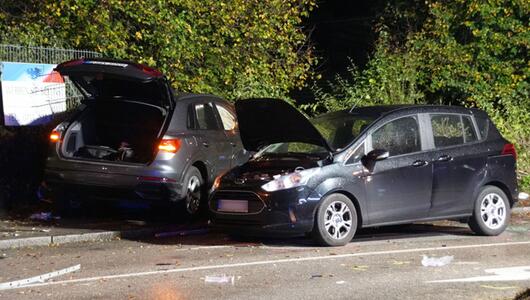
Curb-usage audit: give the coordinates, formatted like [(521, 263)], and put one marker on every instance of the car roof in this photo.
[(381, 110), (190, 96)]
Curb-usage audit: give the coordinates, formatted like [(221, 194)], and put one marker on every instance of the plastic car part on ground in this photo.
[(219, 279), (436, 261)]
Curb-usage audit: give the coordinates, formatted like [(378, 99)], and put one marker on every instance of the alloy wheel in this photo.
[(338, 220), (193, 195), (493, 211)]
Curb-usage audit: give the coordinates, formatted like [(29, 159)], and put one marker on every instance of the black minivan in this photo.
[(369, 166)]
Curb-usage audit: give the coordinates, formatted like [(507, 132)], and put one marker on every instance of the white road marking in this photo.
[(41, 278), (500, 274), (272, 262)]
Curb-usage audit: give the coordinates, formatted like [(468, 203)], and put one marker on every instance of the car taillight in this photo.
[(509, 149), (55, 136), (149, 71), (73, 62), (169, 145)]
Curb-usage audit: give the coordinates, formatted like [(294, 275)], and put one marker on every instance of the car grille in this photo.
[(255, 204)]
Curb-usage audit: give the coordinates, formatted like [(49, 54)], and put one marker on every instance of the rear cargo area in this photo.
[(115, 130)]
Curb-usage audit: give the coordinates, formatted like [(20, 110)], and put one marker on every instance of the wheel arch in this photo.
[(201, 166), (352, 198), (501, 186)]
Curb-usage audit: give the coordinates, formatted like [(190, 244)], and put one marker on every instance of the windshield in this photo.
[(338, 128)]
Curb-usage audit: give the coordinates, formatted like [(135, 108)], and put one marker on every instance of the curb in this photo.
[(76, 238), (110, 235)]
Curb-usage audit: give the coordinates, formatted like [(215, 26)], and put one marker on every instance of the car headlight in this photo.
[(217, 181), (291, 180)]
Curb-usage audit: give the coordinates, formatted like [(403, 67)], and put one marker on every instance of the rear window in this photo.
[(108, 87), (451, 129)]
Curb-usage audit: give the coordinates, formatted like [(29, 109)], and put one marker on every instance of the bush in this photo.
[(236, 48), (464, 52)]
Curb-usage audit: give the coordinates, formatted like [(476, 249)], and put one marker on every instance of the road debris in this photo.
[(360, 268), (399, 262), (340, 282), (182, 233), (37, 279), (222, 279), (436, 261), (500, 288), (43, 216)]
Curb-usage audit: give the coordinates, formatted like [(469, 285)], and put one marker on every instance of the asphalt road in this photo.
[(378, 264)]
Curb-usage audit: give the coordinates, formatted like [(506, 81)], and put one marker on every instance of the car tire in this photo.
[(194, 201), (491, 212), (335, 221)]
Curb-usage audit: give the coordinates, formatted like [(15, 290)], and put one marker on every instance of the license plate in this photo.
[(240, 206)]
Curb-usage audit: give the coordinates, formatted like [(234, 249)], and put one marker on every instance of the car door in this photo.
[(399, 187), (228, 120), (457, 163), (210, 136)]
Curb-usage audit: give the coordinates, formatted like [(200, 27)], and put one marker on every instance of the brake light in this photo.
[(509, 149), (150, 71), (169, 145), (73, 62), (55, 136)]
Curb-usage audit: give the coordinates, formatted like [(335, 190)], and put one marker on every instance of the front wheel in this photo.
[(491, 213), (335, 221)]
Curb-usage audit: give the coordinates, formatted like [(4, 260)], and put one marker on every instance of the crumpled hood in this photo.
[(268, 121)]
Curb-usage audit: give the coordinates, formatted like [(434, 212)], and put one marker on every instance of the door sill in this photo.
[(418, 220)]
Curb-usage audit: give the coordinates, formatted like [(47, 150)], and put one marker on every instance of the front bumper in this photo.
[(280, 213)]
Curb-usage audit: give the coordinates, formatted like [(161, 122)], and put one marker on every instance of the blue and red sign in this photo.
[(31, 93)]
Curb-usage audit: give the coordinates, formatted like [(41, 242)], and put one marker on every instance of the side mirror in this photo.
[(372, 157)]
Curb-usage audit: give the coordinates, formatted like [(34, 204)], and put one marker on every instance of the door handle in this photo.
[(445, 158), (233, 144), (205, 144), (420, 163)]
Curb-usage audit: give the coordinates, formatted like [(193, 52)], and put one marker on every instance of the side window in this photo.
[(469, 130), (356, 155), (228, 119), (450, 130), (400, 136), (202, 117), (483, 126)]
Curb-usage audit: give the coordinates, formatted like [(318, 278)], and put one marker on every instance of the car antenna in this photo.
[(355, 105)]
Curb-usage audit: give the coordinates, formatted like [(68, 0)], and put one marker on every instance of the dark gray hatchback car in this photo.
[(365, 167), (134, 138)]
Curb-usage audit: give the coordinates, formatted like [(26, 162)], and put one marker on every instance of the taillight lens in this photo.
[(169, 145), (509, 149), (55, 136)]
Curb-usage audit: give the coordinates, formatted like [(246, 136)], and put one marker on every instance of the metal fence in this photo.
[(45, 55)]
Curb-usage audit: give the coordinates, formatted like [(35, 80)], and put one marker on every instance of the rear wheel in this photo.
[(195, 197), (335, 221), (491, 213)]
